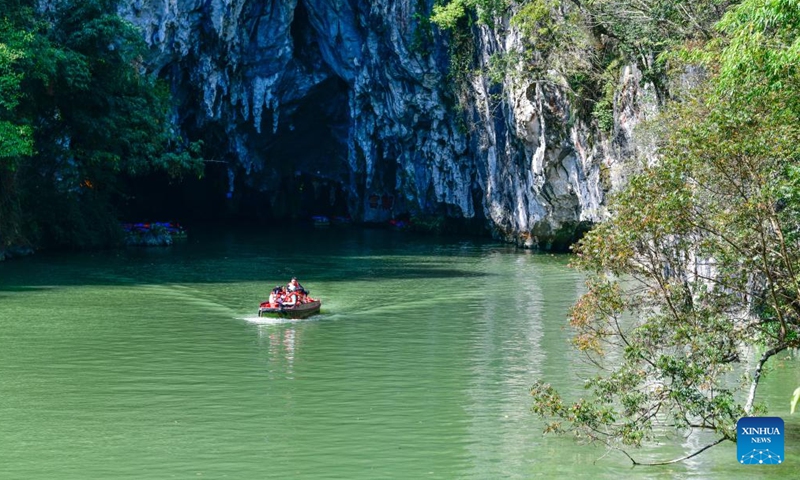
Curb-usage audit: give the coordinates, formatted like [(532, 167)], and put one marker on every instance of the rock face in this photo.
[(346, 104)]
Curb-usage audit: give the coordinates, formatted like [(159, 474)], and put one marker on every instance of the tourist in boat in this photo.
[(292, 299), (306, 298), (274, 296), (294, 286), (283, 296), (302, 296)]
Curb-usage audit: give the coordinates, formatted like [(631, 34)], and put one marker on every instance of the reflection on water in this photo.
[(282, 345), (151, 364)]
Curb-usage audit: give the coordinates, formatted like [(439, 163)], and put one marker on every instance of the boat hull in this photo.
[(304, 310)]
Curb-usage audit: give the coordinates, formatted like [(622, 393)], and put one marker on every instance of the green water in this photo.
[(150, 363)]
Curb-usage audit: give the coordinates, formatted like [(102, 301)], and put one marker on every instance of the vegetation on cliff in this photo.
[(580, 46), (77, 111), (698, 267)]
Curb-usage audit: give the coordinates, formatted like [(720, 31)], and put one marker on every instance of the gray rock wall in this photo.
[(353, 94)]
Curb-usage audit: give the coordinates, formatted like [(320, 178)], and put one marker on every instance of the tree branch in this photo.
[(676, 460), (751, 396)]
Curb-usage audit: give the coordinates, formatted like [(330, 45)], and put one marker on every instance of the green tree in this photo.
[(100, 97), (17, 37), (699, 262), (81, 111), (15, 135), (448, 15)]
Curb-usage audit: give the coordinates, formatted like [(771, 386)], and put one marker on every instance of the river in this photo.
[(151, 363)]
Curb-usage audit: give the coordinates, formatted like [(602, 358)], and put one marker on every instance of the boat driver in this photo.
[(294, 286)]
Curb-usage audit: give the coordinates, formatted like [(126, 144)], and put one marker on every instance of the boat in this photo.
[(153, 234), (321, 221), (339, 220), (303, 310)]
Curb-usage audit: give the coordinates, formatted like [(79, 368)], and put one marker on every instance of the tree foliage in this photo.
[(15, 135), (77, 111), (699, 264), (448, 15)]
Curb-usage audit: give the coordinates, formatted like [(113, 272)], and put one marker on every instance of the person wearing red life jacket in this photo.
[(292, 299), (274, 296)]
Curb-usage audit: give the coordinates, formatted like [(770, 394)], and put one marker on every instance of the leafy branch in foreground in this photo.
[(698, 266)]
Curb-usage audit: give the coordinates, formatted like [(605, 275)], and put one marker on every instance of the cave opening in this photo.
[(303, 172), (293, 165), (305, 158)]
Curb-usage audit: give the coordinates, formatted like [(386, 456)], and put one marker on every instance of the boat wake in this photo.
[(268, 321), (255, 319)]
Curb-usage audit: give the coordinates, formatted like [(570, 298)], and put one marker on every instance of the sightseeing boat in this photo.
[(302, 310), (321, 221)]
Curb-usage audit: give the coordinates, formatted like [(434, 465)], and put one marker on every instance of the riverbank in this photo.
[(164, 234)]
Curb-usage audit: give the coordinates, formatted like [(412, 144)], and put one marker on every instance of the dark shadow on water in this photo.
[(25, 288), (211, 255)]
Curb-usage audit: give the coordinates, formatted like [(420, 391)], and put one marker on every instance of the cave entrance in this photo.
[(308, 154), (299, 151)]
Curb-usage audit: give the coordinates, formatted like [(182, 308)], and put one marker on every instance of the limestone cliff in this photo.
[(349, 100)]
